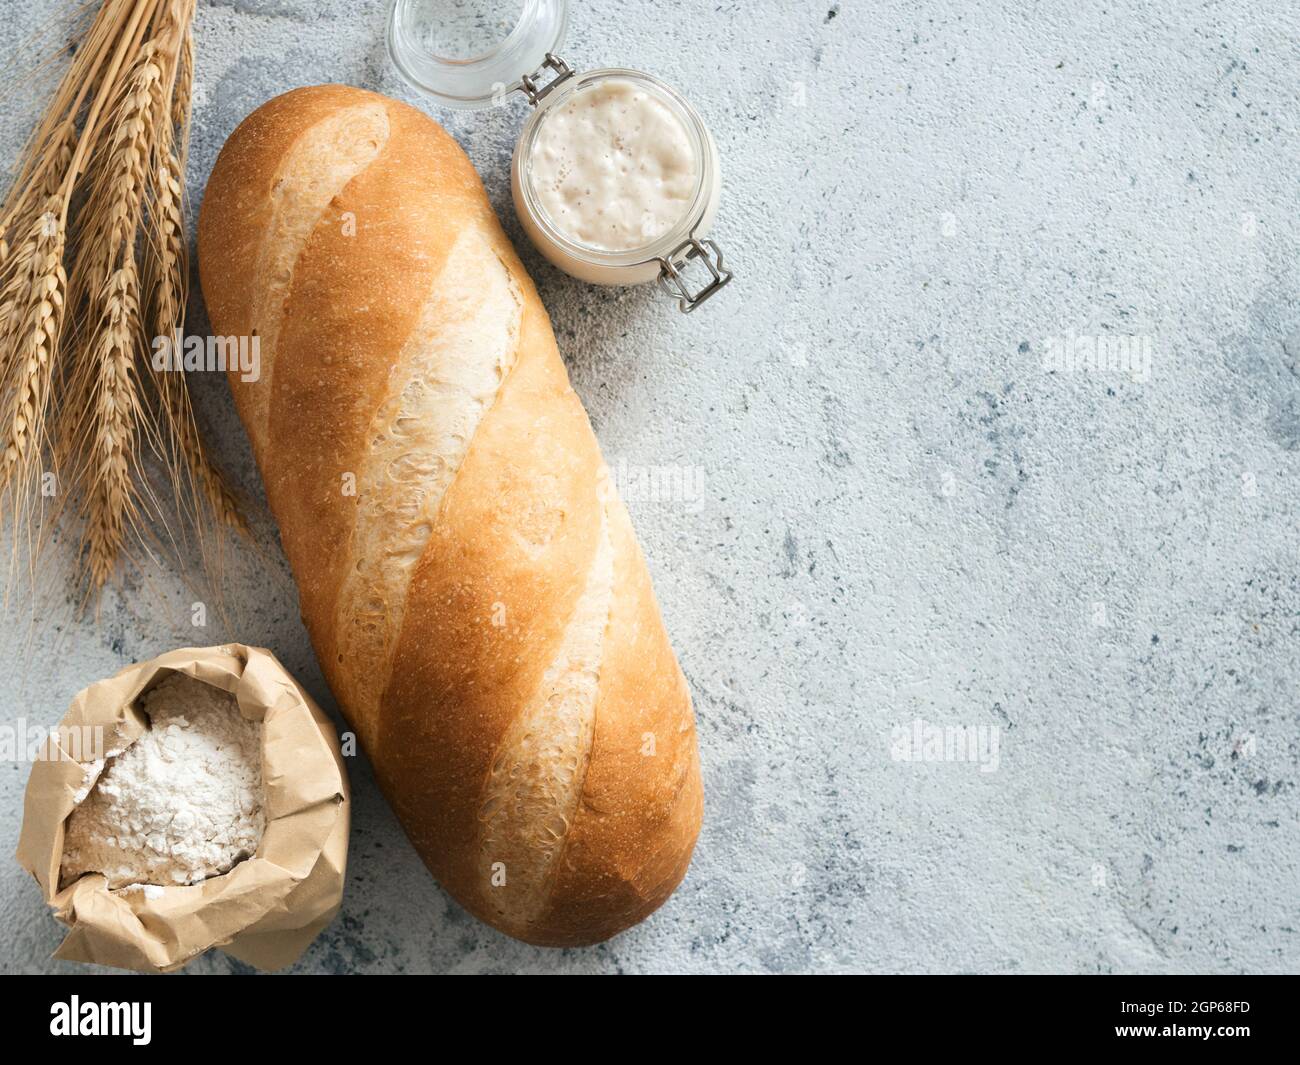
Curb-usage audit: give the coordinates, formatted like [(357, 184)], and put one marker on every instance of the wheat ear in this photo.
[(107, 279), (168, 265), (31, 337), (117, 412), (168, 315)]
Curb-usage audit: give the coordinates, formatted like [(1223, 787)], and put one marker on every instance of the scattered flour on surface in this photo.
[(181, 804)]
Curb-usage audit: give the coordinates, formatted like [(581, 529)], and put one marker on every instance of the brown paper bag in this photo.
[(264, 911)]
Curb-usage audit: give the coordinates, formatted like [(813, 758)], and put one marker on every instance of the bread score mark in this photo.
[(533, 789), (446, 379), (319, 166)]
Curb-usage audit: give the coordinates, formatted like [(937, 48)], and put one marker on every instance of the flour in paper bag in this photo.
[(182, 803)]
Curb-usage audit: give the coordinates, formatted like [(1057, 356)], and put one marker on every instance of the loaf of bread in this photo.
[(468, 575)]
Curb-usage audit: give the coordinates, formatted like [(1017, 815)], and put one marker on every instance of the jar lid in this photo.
[(469, 54)]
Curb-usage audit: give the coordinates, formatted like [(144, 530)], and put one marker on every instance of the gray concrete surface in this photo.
[(913, 507)]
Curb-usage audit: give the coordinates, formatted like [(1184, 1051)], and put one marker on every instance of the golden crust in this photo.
[(509, 555)]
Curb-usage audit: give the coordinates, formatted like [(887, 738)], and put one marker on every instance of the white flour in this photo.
[(181, 804)]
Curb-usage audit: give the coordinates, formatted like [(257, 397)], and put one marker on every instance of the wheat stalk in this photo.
[(184, 86), (97, 211), (168, 267), (112, 213), (106, 284)]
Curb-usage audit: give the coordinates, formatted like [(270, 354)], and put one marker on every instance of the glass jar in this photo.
[(473, 54)]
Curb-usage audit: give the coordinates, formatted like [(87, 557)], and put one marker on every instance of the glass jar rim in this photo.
[(706, 171), (474, 82)]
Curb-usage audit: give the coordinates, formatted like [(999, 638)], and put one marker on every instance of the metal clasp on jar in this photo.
[(528, 83), (672, 282)]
